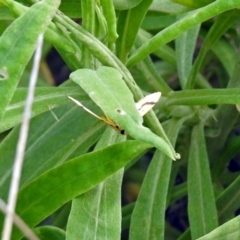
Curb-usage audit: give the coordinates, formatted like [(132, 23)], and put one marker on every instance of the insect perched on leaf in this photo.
[(143, 106)]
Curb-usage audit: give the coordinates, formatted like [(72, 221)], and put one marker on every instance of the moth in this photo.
[(143, 106)]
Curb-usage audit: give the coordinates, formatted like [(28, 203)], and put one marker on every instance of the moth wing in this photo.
[(86, 109), (105, 119), (147, 103)]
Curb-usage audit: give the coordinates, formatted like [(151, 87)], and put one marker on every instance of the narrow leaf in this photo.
[(229, 230), (185, 48), (45, 99), (19, 51), (97, 213), (147, 221), (52, 140), (201, 201), (204, 97), (61, 184), (50, 232)]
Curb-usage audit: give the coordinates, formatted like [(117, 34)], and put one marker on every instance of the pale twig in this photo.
[(19, 223), (19, 157)]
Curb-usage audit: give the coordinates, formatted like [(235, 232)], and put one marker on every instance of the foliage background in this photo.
[(187, 50)]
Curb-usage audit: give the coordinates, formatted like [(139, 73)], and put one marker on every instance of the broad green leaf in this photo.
[(51, 141), (50, 232), (45, 99), (19, 51), (107, 89), (147, 221), (201, 202), (229, 230), (102, 203), (62, 183)]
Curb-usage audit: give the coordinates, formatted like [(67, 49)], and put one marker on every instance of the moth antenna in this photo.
[(86, 109), (54, 115)]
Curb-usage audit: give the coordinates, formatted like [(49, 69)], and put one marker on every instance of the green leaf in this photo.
[(167, 6), (45, 99), (102, 199), (201, 202), (230, 150), (228, 201), (179, 27), (129, 23), (221, 25), (125, 4), (165, 52), (156, 22), (21, 49), (51, 142), (147, 221), (56, 35), (107, 89), (71, 8), (226, 53), (109, 92), (111, 19), (126, 215), (185, 48), (50, 232), (61, 184), (204, 97), (193, 4), (5, 14), (229, 230)]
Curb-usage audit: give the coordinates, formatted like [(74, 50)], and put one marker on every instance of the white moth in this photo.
[(147, 103), (143, 106)]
